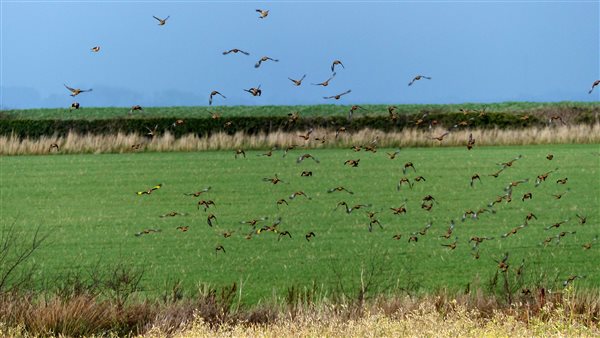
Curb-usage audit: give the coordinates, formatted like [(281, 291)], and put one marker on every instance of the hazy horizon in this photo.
[(475, 52)]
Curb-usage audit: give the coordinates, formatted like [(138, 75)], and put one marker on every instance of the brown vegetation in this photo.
[(123, 143)]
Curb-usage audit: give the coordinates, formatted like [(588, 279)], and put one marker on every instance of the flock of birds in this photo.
[(261, 225)]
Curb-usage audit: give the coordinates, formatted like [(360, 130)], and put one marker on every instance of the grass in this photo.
[(89, 206), (314, 110), (75, 143)]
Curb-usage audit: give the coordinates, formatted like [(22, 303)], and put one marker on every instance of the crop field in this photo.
[(89, 206), (92, 113)]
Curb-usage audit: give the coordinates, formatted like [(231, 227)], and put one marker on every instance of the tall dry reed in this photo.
[(124, 143)]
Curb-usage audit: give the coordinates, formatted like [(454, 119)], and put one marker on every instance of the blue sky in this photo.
[(475, 51)]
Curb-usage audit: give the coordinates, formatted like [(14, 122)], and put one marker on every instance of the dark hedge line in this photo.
[(253, 125)]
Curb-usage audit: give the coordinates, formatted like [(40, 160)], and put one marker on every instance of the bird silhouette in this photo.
[(417, 78), (399, 210), (146, 232), (172, 214), (511, 162), (588, 245), (441, 137), (337, 96), (340, 188), (449, 231), (408, 165), (183, 228), (305, 156), (309, 235), (556, 225), (473, 178), (582, 219), (240, 152), (53, 146), (210, 218), (281, 201), (283, 234), (470, 142), (403, 180), (162, 22), (206, 204), (393, 155), (495, 175), (273, 180), (264, 59), (503, 264), (596, 83), (562, 180), (74, 106), (95, 49), (299, 193), (235, 51), (570, 279), (326, 82), (219, 248), (306, 173), (297, 82), (335, 63), (526, 196), (352, 163), (452, 245), (397, 236), (213, 93), (514, 230), (549, 157), (76, 91)]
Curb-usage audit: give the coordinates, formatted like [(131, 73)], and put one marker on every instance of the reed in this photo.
[(124, 143)]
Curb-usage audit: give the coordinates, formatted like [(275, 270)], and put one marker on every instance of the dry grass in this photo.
[(541, 313), (124, 143)]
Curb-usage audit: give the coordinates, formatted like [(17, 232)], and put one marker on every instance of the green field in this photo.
[(89, 206), (313, 110)]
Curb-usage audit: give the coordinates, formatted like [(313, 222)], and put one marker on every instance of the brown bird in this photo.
[(273, 180), (253, 222), (214, 115), (306, 136), (588, 245), (423, 231), (213, 93), (162, 22), (264, 59), (475, 254), (219, 248), (393, 155), (356, 148), (559, 196), (149, 191), (198, 193), (413, 238), (359, 206), (397, 236), (309, 235), (549, 157), (426, 207), (526, 196), (348, 209), (374, 221), (183, 228), (352, 163), (473, 178), (336, 62), (530, 216), (306, 173), (353, 109), (514, 230), (254, 91), (338, 96), (441, 137), (210, 218), (547, 241), (147, 231), (206, 204), (152, 132), (262, 13), (136, 146), (340, 188), (452, 245), (227, 234), (562, 180), (467, 213), (449, 231), (417, 78), (495, 175), (419, 179), (402, 181), (556, 225), (76, 91), (172, 214), (235, 51), (582, 219), (281, 201), (326, 82), (297, 82), (299, 193), (503, 264), (557, 117), (305, 156), (429, 198), (399, 210), (470, 142), (96, 49), (339, 131), (392, 114), (597, 82), (408, 165), (479, 240), (542, 177), (74, 105), (53, 146), (511, 162), (240, 152), (563, 234)]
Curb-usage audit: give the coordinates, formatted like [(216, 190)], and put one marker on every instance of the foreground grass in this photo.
[(314, 110), (89, 206)]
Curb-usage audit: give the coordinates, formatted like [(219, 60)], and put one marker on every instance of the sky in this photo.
[(474, 51)]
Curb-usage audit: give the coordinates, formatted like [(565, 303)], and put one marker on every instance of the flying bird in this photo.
[(254, 91), (326, 82), (596, 83), (309, 235), (76, 91), (417, 78), (263, 59), (297, 82), (352, 163), (149, 191), (96, 49), (338, 96), (262, 13), (213, 93), (53, 146), (340, 188), (162, 22), (198, 193), (335, 63), (235, 51), (74, 105), (219, 248)]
